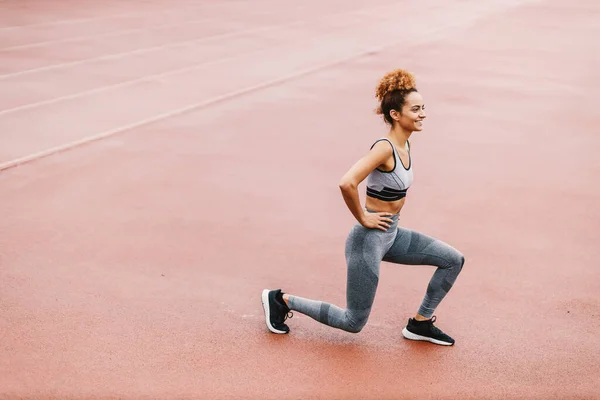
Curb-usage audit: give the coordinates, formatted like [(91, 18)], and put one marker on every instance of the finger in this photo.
[(385, 214)]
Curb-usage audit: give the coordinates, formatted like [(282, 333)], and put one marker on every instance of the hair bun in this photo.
[(398, 79)]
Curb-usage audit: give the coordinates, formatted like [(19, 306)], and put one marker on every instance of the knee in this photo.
[(454, 260), (356, 326), (459, 261), (355, 329)]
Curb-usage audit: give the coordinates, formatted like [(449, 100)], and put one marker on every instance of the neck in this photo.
[(399, 135)]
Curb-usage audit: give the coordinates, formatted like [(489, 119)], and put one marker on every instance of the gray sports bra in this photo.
[(390, 185)]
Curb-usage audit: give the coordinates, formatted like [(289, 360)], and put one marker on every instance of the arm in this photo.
[(378, 155)]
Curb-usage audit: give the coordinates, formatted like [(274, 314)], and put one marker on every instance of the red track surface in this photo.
[(204, 145)]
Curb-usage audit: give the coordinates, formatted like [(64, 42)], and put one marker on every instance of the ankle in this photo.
[(286, 299), (420, 318)]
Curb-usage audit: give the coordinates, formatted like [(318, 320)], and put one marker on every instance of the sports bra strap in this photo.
[(387, 140)]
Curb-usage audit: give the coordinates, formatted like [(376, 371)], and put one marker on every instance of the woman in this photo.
[(377, 237)]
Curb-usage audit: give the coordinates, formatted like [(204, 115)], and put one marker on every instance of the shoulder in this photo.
[(381, 151), (383, 147)]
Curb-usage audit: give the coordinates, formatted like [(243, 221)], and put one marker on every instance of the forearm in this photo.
[(350, 195)]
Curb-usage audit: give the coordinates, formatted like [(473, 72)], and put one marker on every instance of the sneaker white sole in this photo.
[(413, 336), (265, 304)]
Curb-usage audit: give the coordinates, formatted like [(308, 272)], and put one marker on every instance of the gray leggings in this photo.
[(365, 249)]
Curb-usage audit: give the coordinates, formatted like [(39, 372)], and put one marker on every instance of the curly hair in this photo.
[(392, 90)]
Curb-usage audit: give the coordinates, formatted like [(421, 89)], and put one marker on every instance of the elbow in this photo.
[(347, 185)]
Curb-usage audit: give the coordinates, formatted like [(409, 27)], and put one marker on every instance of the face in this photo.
[(413, 113)]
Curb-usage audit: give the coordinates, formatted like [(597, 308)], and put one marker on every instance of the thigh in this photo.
[(364, 251), (414, 248)]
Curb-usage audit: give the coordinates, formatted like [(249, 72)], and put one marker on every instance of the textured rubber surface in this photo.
[(132, 266)]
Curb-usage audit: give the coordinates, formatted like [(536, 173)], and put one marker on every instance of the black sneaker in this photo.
[(424, 330), (276, 311)]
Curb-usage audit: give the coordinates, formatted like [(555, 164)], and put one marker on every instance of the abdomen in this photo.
[(393, 207)]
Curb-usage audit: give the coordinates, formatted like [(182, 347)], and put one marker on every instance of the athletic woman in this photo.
[(377, 237)]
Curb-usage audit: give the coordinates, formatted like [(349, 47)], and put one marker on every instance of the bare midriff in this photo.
[(394, 207)]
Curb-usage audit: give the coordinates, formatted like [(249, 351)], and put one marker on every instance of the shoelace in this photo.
[(289, 313), (284, 317), (435, 329)]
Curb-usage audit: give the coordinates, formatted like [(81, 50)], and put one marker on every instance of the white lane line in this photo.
[(165, 46), (217, 99), (131, 82), (109, 34), (134, 30), (138, 51), (168, 73), (88, 19)]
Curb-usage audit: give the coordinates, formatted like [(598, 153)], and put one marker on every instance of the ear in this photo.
[(395, 115)]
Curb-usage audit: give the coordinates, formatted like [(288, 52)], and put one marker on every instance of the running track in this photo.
[(164, 161)]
